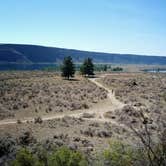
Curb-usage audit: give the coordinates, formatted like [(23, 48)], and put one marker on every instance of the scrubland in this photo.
[(140, 92), (99, 139), (28, 94)]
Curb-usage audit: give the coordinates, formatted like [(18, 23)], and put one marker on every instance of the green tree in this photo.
[(105, 68), (68, 67), (87, 67), (117, 69)]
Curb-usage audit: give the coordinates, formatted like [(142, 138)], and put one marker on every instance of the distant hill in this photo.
[(19, 53)]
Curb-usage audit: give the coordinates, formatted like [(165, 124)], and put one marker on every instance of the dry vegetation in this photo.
[(37, 93), (89, 137), (138, 89), (42, 93), (142, 93)]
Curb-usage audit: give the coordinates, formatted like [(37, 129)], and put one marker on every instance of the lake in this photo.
[(15, 66), (155, 70)]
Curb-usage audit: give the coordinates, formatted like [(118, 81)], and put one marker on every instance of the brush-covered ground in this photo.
[(143, 93), (29, 94), (94, 112)]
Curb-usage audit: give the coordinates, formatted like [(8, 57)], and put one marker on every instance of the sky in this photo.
[(115, 26)]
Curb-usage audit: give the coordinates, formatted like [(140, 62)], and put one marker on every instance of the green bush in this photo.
[(119, 154), (61, 157), (65, 157), (25, 158), (42, 155)]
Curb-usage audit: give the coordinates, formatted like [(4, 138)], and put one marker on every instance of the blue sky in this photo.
[(121, 26)]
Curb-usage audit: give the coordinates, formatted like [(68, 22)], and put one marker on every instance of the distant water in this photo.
[(155, 71), (9, 66)]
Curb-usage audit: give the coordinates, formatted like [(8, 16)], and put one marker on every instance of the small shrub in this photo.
[(85, 106), (38, 120), (26, 158), (19, 121), (6, 145), (119, 154), (88, 115), (26, 138), (42, 156)]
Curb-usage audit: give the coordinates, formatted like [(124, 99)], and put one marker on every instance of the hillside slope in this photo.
[(19, 53)]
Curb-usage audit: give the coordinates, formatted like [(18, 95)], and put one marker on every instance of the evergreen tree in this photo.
[(87, 67), (105, 68), (68, 67)]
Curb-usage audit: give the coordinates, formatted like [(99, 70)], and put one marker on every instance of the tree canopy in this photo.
[(87, 67), (68, 67)]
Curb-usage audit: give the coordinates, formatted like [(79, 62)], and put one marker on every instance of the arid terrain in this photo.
[(143, 92), (86, 114), (29, 94)]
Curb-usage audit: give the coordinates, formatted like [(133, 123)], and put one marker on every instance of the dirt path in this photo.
[(98, 110), (111, 93)]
